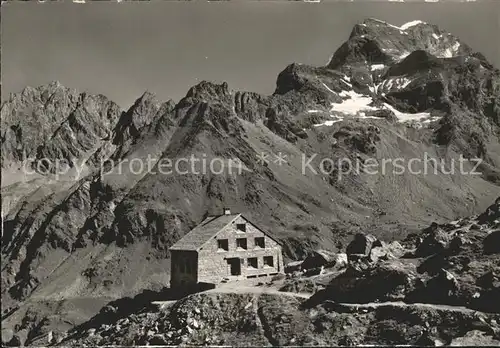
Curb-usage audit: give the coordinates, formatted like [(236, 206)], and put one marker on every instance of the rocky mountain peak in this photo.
[(54, 121), (146, 97), (141, 113), (206, 96), (52, 85), (206, 90), (146, 100), (375, 41)]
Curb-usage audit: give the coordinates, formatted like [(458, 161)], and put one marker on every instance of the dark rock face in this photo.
[(442, 288), (393, 250), (435, 242), (142, 113), (441, 271), (388, 280), (54, 123), (362, 244), (377, 41), (491, 216), (492, 243)]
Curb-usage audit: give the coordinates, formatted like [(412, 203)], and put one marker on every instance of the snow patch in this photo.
[(411, 24), (347, 83), (354, 104), (328, 88), (403, 56), (377, 67), (404, 82), (405, 117), (450, 52), (328, 123), (388, 24), (391, 83), (432, 119)]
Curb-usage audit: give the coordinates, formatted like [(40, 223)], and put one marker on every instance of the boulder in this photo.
[(358, 264), (441, 289), (313, 271), (389, 251), (15, 341), (449, 278), (475, 338), (428, 340), (491, 244), (490, 280), (491, 216), (457, 243), (7, 335), (293, 266), (435, 242), (390, 280), (319, 258), (362, 244), (159, 340), (341, 260)]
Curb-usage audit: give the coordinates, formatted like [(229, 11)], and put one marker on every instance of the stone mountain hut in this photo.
[(224, 247)]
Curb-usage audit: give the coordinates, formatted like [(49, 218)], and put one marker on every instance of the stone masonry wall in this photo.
[(178, 273), (212, 263)]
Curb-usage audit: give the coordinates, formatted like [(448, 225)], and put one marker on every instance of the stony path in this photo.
[(164, 304), (373, 305), (238, 289)]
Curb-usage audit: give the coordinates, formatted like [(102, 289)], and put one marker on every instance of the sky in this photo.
[(123, 49)]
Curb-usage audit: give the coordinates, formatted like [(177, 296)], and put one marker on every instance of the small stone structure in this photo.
[(224, 247)]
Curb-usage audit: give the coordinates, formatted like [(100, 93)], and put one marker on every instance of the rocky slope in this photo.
[(436, 287), (456, 264), (102, 230)]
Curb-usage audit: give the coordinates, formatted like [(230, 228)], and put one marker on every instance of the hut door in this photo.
[(235, 266)]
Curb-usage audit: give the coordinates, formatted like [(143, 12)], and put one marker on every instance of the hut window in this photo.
[(252, 262), (241, 227), (259, 242), (268, 261), (241, 243), (223, 244)]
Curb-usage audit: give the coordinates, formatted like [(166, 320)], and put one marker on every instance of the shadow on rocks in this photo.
[(124, 307)]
